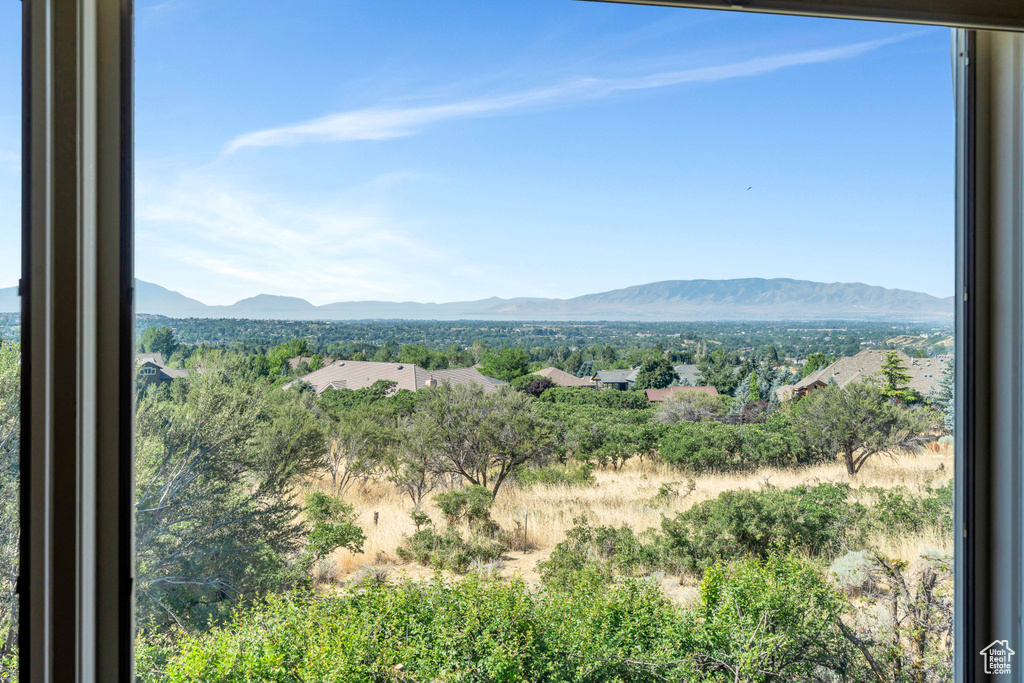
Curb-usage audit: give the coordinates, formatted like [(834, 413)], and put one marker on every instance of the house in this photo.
[(661, 395), (564, 379), (687, 373), (352, 374), (150, 369), (925, 373), (619, 380)]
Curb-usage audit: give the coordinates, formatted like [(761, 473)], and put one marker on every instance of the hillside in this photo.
[(739, 299)]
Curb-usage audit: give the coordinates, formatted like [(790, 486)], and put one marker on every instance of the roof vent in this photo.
[(400, 367)]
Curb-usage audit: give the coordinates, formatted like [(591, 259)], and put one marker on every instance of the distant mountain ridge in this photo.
[(683, 300)]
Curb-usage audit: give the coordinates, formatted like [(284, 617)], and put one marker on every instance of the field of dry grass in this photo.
[(627, 496)]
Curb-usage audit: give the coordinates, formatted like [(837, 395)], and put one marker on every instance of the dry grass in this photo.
[(627, 496)]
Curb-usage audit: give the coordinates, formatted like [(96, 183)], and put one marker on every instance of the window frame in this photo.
[(77, 290)]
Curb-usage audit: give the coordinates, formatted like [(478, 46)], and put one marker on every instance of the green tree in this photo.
[(945, 397), (609, 354), (334, 526), (158, 340), (217, 461), (279, 356), (816, 361), (718, 369), (756, 626), (482, 437), (359, 442), (857, 422), (655, 373), (896, 378), (10, 527), (506, 364)]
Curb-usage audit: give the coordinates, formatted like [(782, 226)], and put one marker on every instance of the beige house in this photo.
[(925, 373), (563, 378), (356, 374)]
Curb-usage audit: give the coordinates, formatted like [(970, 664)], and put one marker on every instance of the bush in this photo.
[(334, 526), (448, 549), (535, 385), (767, 621), (592, 434), (898, 511), (471, 504), (603, 551), (557, 475), (692, 406), (714, 446), (585, 396), (816, 520), (473, 630), (703, 446), (770, 620)]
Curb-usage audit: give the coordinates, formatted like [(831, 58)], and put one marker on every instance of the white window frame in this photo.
[(76, 589)]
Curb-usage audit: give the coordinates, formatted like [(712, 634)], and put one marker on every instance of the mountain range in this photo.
[(738, 299)]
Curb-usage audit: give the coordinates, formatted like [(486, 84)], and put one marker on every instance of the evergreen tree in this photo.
[(945, 397), (897, 379), (655, 373), (742, 394)]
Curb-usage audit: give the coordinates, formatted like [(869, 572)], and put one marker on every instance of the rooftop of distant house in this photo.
[(151, 366), (563, 378), (353, 374), (924, 373)]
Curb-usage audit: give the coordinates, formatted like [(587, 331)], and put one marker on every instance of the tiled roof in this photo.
[(146, 360), (925, 373), (563, 378), (607, 376), (686, 371), (360, 374)]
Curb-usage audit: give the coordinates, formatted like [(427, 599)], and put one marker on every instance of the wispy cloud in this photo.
[(386, 123), (323, 251)]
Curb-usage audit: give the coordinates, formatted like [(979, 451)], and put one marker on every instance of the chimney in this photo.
[(431, 382)]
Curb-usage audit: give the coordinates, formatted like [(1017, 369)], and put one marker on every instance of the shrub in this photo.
[(770, 620), (557, 475), (714, 446), (817, 520), (448, 549), (592, 434), (472, 504), (691, 406), (334, 527), (603, 551), (767, 621), (898, 511), (473, 630), (585, 396), (853, 570), (535, 385), (703, 446)]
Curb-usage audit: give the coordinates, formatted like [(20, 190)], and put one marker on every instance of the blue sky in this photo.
[(437, 151)]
